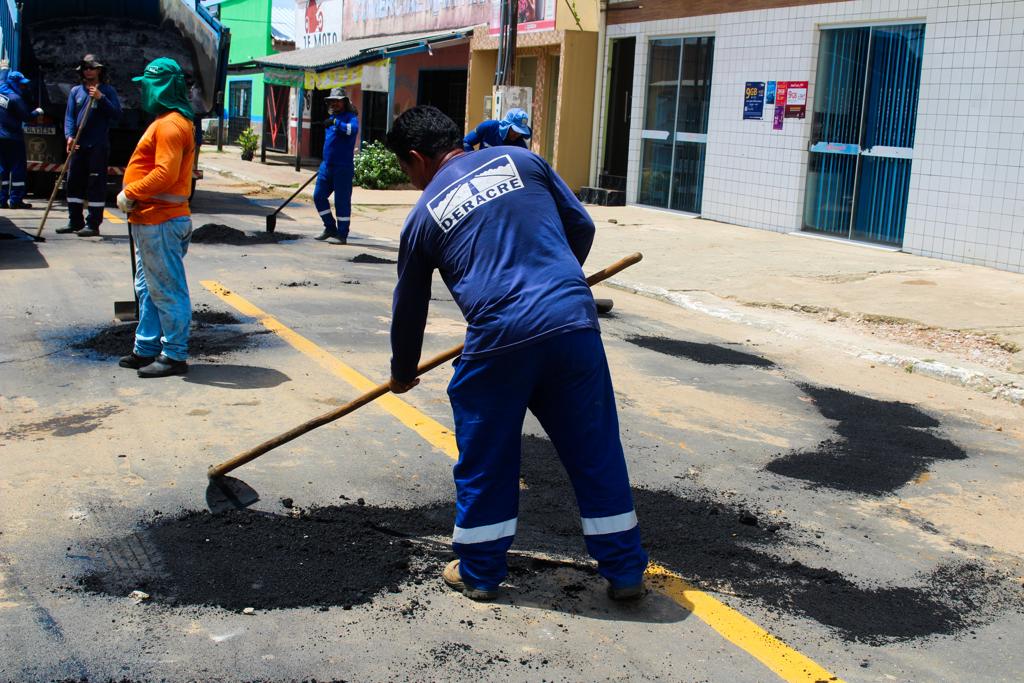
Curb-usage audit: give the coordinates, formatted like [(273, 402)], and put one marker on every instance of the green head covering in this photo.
[(164, 89)]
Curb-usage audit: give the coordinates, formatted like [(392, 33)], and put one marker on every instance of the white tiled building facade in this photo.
[(966, 197)]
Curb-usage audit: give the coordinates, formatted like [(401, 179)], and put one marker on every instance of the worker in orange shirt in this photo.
[(157, 183)]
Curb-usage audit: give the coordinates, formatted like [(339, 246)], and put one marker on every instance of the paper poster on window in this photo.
[(753, 101), (778, 118), (781, 89), (796, 100), (769, 93)]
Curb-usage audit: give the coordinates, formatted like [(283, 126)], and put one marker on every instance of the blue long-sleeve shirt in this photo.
[(97, 128), (488, 134), (340, 139), (509, 238), (14, 112)]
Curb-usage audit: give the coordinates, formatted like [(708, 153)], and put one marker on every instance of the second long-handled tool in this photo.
[(272, 218), (126, 311), (64, 169), (216, 473)]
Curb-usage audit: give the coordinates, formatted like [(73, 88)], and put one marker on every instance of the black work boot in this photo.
[(326, 234), (163, 366), (336, 239), (89, 231), (135, 362), (20, 204), (627, 593), (70, 227)]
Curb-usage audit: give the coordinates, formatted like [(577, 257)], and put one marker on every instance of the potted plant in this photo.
[(248, 141)]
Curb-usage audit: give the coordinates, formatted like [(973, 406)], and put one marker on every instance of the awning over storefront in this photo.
[(341, 64)]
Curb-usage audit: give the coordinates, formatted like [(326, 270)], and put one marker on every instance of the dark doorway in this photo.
[(616, 129), (275, 118), (446, 90), (317, 116), (239, 108), (373, 122)]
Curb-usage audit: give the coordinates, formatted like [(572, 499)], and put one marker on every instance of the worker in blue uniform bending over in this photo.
[(511, 130), (337, 169), (87, 172), (14, 112), (509, 239)]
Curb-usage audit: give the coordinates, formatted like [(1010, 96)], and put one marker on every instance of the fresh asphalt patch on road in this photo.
[(880, 446), (347, 555), (370, 258), (218, 233), (705, 353)]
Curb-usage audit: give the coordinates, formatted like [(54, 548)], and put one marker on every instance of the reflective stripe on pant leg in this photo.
[(488, 430), (575, 404), (321, 198), (97, 181), (18, 172), (343, 197), (77, 179), (162, 249)]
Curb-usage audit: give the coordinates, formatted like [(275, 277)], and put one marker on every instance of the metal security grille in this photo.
[(862, 136)]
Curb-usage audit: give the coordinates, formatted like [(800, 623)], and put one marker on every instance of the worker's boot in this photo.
[(135, 362), (89, 231), (326, 234), (20, 204), (162, 366), (70, 227), (453, 578), (336, 239), (627, 593)]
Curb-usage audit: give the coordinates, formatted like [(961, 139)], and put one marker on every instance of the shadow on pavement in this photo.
[(17, 249), (227, 202), (235, 376)]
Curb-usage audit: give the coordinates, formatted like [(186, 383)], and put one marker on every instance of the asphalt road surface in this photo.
[(811, 517)]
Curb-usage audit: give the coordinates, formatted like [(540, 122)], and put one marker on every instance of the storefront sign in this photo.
[(364, 18), (317, 22), (796, 100), (534, 15), (376, 77), (292, 79), (753, 101), (769, 94), (335, 78)]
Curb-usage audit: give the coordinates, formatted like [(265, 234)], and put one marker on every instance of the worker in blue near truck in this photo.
[(14, 113), (87, 173), (513, 129), (337, 168), (509, 239)]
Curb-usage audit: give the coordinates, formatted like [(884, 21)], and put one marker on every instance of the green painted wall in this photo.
[(249, 21)]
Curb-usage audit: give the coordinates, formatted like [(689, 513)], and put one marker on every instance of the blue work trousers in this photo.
[(165, 310), (336, 180), (12, 170), (87, 181), (564, 382)]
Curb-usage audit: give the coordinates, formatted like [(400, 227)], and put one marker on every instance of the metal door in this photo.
[(676, 123), (862, 138)]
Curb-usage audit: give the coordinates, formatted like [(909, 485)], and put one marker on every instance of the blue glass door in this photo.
[(862, 137)]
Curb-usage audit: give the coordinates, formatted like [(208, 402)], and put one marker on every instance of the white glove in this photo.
[(124, 203), (37, 111)]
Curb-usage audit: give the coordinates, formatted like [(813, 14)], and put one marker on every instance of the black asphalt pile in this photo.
[(304, 283), (204, 315), (736, 549), (370, 258), (332, 556), (218, 233), (880, 445), (708, 354), (207, 339)]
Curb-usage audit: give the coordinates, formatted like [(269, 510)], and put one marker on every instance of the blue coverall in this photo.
[(87, 175), (509, 238), (490, 134), (14, 112), (336, 171)]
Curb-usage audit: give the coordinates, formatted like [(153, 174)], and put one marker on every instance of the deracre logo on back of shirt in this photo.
[(485, 183)]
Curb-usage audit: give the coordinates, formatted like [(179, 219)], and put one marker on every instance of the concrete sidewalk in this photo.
[(960, 323)]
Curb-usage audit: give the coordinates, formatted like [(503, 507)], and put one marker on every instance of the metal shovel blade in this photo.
[(125, 311), (271, 222), (228, 493), (604, 305)]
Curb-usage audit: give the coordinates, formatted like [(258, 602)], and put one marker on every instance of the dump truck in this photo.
[(46, 39)]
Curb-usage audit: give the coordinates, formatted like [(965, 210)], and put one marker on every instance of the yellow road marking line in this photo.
[(433, 432), (784, 661), (111, 217)]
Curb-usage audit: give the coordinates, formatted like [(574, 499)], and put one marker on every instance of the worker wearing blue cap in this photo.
[(14, 112), (511, 130)]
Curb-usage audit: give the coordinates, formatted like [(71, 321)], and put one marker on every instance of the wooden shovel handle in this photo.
[(378, 391)]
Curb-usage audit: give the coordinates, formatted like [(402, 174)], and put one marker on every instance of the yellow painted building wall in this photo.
[(575, 108)]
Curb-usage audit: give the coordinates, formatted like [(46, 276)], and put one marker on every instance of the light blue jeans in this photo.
[(165, 310)]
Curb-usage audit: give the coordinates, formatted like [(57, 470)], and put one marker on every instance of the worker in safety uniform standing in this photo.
[(337, 168), (157, 183), (87, 174), (14, 112), (509, 239), (511, 130)]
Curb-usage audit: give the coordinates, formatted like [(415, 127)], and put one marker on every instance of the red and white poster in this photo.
[(317, 22), (781, 92), (796, 99), (534, 15)]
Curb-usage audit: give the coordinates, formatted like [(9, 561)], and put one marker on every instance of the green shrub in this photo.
[(376, 168), (248, 140)]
